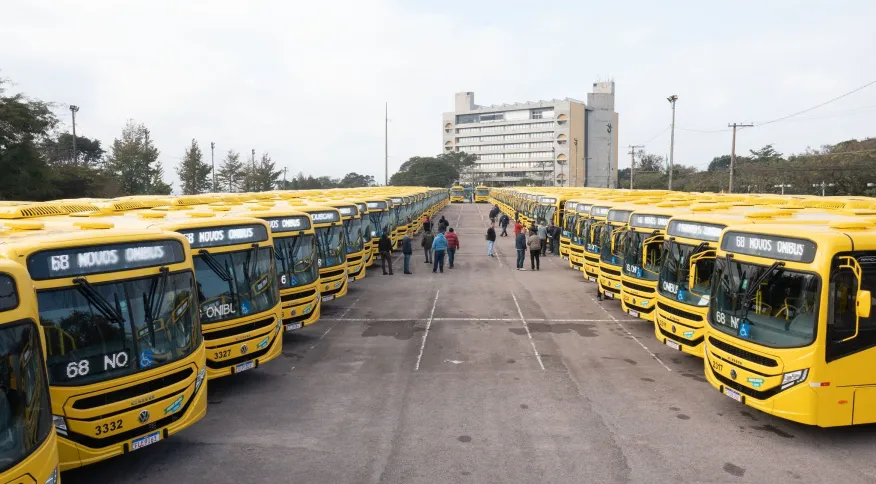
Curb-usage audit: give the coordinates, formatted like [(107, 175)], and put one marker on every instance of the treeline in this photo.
[(846, 168), (434, 171), (37, 162)]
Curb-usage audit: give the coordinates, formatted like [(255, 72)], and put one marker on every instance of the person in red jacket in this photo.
[(452, 245), (518, 227)]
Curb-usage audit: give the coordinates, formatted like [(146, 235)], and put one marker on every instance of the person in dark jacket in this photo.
[(407, 251), (426, 243), (555, 244), (520, 244), (427, 224), (384, 246), (504, 220), (494, 212), (491, 240), (443, 221)]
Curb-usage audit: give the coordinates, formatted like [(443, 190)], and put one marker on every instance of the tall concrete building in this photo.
[(559, 142)]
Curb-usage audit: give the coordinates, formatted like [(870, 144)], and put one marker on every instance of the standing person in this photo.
[(518, 228), (491, 240), (407, 251), (452, 245), (384, 246), (504, 220), (550, 237), (494, 212), (443, 224), (534, 244), (439, 245), (520, 244), (426, 243), (541, 230), (427, 224), (556, 239)]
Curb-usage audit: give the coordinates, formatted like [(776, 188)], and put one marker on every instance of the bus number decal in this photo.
[(115, 361), (733, 322), (77, 368), (108, 427), (221, 354), (716, 365)]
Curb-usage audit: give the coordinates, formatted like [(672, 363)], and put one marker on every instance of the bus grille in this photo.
[(133, 391), (686, 342), (637, 287), (678, 312), (332, 291), (332, 274), (751, 392), (747, 355), (253, 326), (218, 365), (610, 272), (298, 295)]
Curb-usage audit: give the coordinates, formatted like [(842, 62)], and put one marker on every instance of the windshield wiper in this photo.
[(214, 266), (252, 256), (762, 277), (150, 303), (95, 299)]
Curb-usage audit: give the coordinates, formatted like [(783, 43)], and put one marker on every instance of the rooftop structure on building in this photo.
[(562, 142)]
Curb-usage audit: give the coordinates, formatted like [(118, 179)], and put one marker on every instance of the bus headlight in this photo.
[(60, 424), (792, 378), (53, 479), (200, 378)]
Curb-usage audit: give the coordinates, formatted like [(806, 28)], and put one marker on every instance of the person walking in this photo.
[(555, 239), (384, 246), (439, 246), (427, 224), (443, 224), (504, 220), (534, 244), (491, 240), (541, 230), (518, 228), (426, 243), (494, 212), (520, 244), (407, 251), (452, 245)]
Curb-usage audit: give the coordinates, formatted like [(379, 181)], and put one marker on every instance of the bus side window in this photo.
[(842, 293)]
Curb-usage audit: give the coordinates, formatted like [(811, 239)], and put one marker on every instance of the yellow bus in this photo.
[(791, 330), (457, 194), (401, 213), (482, 194), (365, 219), (570, 218), (353, 238), (612, 244), (379, 221), (30, 447), (124, 350), (582, 232), (331, 249), (591, 238)]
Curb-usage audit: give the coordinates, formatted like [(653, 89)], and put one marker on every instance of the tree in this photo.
[(355, 180), (193, 172), (459, 159), (426, 171), (59, 150), (133, 163), (24, 126), (230, 174), (261, 176)]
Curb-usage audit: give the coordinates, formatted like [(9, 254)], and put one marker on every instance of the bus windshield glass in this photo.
[(296, 264), (25, 414), (482, 192), (547, 213), (611, 244), (457, 192), (590, 232), (675, 275), (96, 332), (633, 257), (770, 306), (235, 284), (569, 224), (353, 234), (366, 227), (378, 223), (331, 246)]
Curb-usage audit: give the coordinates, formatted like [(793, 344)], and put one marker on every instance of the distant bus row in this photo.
[(114, 314), (773, 293)]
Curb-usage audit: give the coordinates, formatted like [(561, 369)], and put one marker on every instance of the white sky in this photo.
[(307, 81)]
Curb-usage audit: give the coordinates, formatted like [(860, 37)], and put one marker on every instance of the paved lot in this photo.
[(484, 375)]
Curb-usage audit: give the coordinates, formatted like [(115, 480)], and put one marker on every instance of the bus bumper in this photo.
[(638, 302), (228, 355), (333, 287), (679, 327), (609, 287), (356, 266), (301, 308)]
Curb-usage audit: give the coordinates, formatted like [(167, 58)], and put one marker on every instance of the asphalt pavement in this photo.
[(484, 374)]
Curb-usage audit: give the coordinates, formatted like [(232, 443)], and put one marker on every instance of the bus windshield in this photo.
[(378, 223), (103, 331), (295, 260), (25, 415), (235, 284), (353, 235), (547, 213), (331, 246), (633, 256), (482, 192), (611, 244), (770, 306), (590, 233), (456, 192), (675, 274), (366, 227), (569, 224)]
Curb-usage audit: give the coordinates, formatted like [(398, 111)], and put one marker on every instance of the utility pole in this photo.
[(733, 153), (575, 142), (285, 187), (73, 111), (672, 100), (633, 161), (608, 180), (386, 145), (213, 162), (252, 173)]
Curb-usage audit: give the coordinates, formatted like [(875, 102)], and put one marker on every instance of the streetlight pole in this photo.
[(733, 153), (608, 179), (633, 161), (213, 162), (672, 100), (73, 111), (252, 173), (575, 142)]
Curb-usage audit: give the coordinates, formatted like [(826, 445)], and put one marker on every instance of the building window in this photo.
[(448, 128), (467, 118), (542, 113), (561, 119), (448, 145)]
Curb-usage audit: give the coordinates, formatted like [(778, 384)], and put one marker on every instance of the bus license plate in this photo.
[(592, 279), (733, 394), (291, 326), (328, 298), (634, 314), (145, 440), (248, 365), (672, 344), (609, 295)]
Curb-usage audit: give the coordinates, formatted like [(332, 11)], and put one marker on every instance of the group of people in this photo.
[(435, 247)]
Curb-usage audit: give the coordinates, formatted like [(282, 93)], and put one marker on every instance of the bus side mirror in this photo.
[(863, 303)]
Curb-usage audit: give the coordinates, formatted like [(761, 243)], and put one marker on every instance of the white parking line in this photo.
[(526, 327), (336, 321), (617, 322), (531, 320), (426, 334)]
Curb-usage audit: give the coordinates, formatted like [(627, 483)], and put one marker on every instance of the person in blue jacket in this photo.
[(439, 247)]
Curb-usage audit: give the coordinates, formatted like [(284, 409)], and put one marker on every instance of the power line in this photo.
[(657, 135), (817, 106)]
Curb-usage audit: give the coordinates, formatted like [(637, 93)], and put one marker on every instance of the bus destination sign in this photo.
[(598, 211), (769, 246), (292, 223), (325, 217), (229, 235), (376, 205), (96, 259), (695, 230), (649, 221)]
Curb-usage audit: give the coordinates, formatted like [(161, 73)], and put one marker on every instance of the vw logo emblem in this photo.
[(143, 417), (733, 374), (243, 349), (673, 328)]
